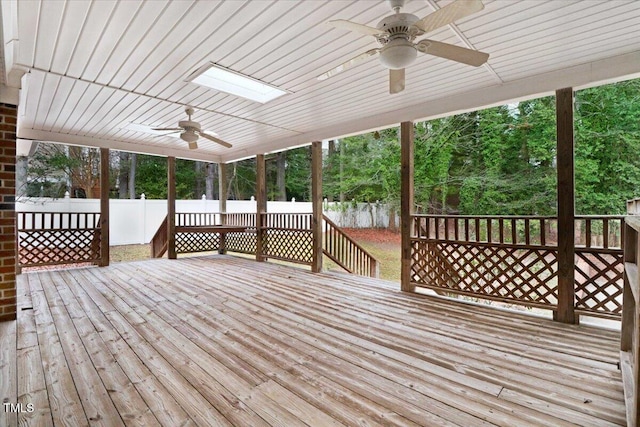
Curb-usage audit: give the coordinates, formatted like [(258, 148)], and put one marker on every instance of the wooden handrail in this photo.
[(630, 333), (159, 242), (346, 252)]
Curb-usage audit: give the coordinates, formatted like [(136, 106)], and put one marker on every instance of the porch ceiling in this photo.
[(94, 67)]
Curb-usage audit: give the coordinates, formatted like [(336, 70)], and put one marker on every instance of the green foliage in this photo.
[(607, 147), (298, 174), (502, 160)]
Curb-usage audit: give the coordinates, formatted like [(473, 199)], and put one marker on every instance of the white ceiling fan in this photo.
[(396, 35), (190, 132)]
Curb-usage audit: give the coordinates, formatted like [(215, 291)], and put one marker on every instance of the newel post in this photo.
[(104, 207), (171, 208), (566, 207), (261, 205), (316, 204), (406, 203)]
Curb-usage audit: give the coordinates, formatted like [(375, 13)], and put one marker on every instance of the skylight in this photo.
[(219, 78)]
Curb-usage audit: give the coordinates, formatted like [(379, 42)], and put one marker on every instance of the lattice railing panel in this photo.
[(197, 242), (524, 275), (61, 246), (290, 245), (599, 282), (241, 242)]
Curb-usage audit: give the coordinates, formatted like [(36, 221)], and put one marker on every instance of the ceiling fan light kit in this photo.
[(396, 34), (398, 54)]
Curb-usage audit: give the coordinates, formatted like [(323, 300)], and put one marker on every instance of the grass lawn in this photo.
[(383, 244)]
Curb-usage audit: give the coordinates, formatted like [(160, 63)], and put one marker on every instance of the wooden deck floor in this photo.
[(226, 341)]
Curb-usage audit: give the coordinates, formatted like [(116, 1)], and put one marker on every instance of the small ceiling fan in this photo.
[(396, 35), (191, 132)]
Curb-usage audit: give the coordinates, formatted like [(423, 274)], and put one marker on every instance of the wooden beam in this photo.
[(566, 206), (222, 189), (171, 208), (406, 203), (104, 207), (222, 203), (261, 205), (316, 204)]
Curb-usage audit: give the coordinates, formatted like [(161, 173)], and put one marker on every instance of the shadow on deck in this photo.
[(220, 340)]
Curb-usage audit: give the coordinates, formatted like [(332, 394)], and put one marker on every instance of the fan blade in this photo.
[(350, 63), (167, 134), (163, 129), (193, 145), (214, 139), (359, 28), (448, 14), (396, 81), (452, 52)]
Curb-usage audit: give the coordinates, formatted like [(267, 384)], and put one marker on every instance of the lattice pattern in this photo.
[(525, 275), (46, 247), (599, 282), (241, 242), (291, 245), (197, 242)]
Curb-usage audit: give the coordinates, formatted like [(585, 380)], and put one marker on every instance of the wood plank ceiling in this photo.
[(95, 67)]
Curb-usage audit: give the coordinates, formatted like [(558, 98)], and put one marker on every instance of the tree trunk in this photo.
[(331, 157), (210, 180), (123, 175), (280, 181), (133, 157), (231, 183), (199, 191), (341, 148)]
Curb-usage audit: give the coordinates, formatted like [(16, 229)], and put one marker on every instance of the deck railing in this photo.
[(630, 339), (514, 259), (346, 252), (51, 238), (288, 237)]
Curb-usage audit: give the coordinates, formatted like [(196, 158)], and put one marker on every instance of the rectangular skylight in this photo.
[(219, 78)]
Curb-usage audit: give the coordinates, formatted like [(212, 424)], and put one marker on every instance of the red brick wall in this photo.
[(8, 116)]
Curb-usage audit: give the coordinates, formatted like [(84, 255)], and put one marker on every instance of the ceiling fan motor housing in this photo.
[(188, 124)]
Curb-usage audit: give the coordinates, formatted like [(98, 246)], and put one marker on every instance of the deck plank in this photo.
[(8, 372), (523, 379), (221, 340), (64, 402), (32, 388)]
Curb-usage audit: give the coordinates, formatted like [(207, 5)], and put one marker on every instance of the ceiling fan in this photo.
[(396, 35), (191, 132)]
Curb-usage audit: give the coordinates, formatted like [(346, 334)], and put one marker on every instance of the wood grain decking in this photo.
[(220, 340)]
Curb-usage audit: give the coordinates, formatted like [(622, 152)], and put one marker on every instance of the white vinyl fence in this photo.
[(136, 221)]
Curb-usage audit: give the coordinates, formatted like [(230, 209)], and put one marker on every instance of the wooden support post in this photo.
[(222, 200), (316, 204), (406, 203), (566, 207), (261, 208), (104, 207), (171, 208)]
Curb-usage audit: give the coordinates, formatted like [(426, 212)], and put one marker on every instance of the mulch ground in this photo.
[(374, 235)]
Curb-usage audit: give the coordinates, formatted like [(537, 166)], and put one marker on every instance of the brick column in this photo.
[(8, 117)]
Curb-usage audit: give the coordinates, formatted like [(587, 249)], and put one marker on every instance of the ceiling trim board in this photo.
[(63, 138)]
